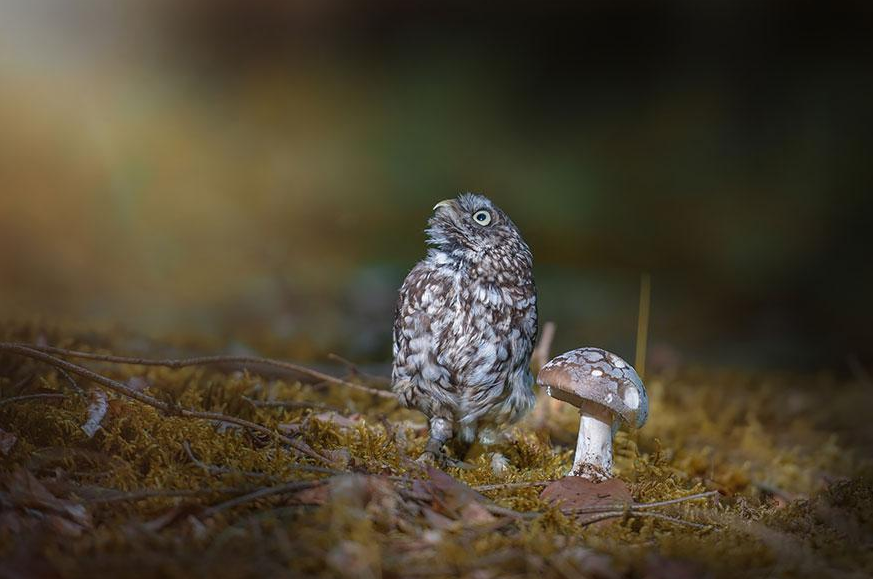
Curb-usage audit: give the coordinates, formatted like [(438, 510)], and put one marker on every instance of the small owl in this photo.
[(465, 325)]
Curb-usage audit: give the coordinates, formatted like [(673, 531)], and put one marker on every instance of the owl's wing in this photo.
[(409, 312), (418, 379), (525, 316), (404, 297)]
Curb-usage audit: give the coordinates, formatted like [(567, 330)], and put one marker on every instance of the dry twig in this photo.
[(694, 497), (356, 371), (631, 513), (21, 384), (263, 492), (640, 510), (292, 404), (515, 485), (120, 496), (31, 397), (642, 506), (218, 469), (72, 381), (208, 361), (505, 512)]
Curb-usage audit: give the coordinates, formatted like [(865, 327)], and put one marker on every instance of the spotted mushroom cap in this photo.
[(592, 375)]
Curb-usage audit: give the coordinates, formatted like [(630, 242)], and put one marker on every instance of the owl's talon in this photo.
[(442, 460), (459, 464)]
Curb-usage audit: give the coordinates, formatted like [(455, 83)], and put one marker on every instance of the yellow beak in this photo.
[(443, 203)]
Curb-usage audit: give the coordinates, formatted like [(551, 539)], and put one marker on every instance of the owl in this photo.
[(465, 325)]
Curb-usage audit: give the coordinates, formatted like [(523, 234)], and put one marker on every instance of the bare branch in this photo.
[(210, 468), (693, 497), (635, 507), (31, 397), (515, 485), (313, 468), (292, 404), (19, 386), (660, 516), (71, 380), (261, 493), (218, 469), (208, 361), (503, 511), (355, 370), (120, 496)]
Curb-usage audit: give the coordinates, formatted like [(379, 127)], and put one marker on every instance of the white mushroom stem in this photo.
[(593, 458)]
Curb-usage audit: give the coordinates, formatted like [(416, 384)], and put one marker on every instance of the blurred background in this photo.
[(261, 171)]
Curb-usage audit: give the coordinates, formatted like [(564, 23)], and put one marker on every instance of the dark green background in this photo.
[(262, 172)]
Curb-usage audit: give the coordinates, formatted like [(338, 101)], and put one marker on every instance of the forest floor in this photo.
[(95, 483)]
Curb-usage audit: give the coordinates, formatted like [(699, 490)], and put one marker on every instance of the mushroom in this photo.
[(607, 391)]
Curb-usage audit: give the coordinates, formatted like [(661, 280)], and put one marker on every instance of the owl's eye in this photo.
[(482, 217)]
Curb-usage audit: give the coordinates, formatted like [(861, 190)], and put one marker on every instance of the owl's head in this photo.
[(472, 223)]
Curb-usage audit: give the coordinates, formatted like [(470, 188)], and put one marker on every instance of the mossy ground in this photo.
[(790, 453)]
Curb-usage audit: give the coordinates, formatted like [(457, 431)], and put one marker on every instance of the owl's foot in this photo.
[(428, 458), (440, 432), (433, 451), (441, 460)]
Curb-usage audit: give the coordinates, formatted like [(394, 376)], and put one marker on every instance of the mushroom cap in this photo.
[(591, 375)]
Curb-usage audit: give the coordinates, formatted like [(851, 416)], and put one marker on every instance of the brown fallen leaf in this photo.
[(453, 492), (454, 499), (29, 494), (574, 492)]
